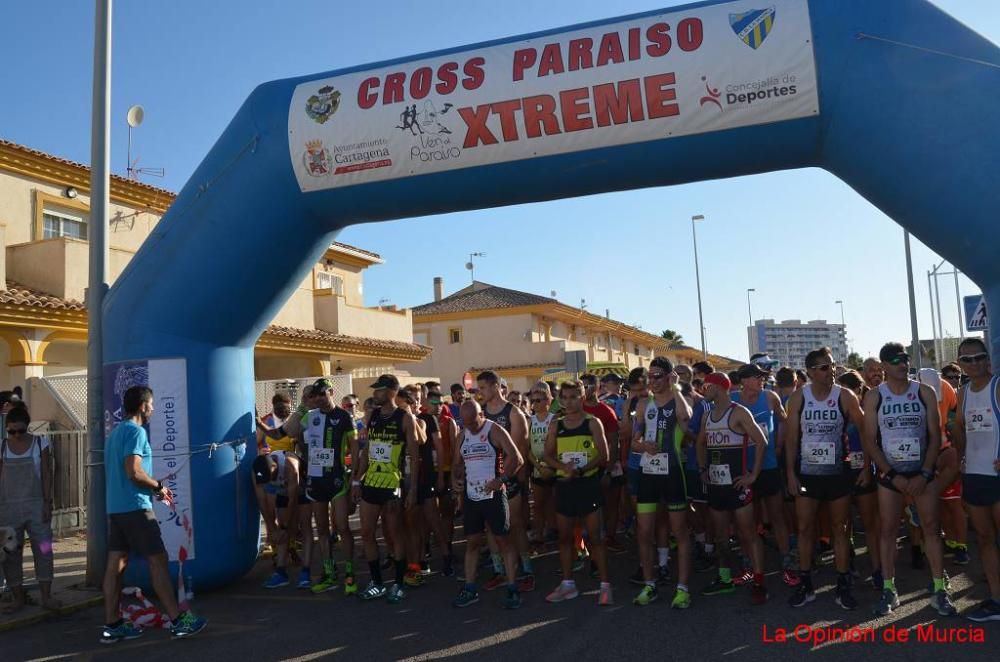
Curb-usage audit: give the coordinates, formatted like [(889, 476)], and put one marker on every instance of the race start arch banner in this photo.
[(894, 97), (678, 73)]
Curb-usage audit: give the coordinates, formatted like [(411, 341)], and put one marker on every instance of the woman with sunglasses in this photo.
[(26, 506), (543, 477)]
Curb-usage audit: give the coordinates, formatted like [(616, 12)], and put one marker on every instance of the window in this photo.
[(421, 338), (63, 224), (454, 336), (328, 281)]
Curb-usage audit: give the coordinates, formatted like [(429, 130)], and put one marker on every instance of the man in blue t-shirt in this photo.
[(132, 526)]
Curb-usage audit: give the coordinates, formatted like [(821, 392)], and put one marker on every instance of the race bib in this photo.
[(718, 474), (616, 470), (819, 452), (477, 475), (979, 420), (575, 459), (656, 465), (857, 460), (903, 449), (380, 451), (321, 457)]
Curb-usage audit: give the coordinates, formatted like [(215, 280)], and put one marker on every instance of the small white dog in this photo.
[(8, 545)]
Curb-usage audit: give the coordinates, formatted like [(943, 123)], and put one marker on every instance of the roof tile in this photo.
[(488, 297)]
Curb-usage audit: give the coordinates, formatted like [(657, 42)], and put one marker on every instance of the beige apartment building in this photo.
[(323, 329)]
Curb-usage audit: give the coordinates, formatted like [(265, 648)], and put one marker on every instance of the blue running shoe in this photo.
[(187, 625), (125, 631), (276, 580)]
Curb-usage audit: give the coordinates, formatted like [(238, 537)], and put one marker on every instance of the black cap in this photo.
[(322, 385), (612, 377), (386, 381), (751, 370), (890, 351)]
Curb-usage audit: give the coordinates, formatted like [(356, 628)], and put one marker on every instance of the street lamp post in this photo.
[(697, 280), (843, 325), (914, 333), (750, 317)]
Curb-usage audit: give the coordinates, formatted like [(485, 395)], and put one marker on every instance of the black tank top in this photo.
[(502, 417)]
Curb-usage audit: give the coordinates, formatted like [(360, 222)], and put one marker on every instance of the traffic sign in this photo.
[(975, 313), (576, 361)]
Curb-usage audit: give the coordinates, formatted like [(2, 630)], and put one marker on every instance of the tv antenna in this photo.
[(134, 118), (471, 266)]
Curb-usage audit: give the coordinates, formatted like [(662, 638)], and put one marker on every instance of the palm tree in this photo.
[(672, 337)]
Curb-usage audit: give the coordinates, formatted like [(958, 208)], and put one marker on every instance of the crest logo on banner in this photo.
[(317, 159), (323, 104), (752, 27)]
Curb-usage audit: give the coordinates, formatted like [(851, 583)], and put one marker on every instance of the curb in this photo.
[(45, 614)]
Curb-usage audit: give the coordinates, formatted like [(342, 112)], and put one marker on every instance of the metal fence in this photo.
[(265, 390)]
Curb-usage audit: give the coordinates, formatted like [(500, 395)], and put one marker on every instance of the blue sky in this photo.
[(192, 63)]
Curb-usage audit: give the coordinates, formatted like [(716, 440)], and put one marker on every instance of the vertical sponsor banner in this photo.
[(168, 436), (676, 73)]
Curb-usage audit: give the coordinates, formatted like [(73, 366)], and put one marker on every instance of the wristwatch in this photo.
[(928, 475), (159, 486), (890, 475)]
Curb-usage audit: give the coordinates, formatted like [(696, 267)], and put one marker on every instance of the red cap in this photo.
[(719, 379)]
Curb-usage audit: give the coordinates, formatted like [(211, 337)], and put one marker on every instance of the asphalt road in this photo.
[(247, 622)]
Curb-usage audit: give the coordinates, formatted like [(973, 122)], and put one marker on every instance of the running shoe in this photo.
[(526, 584), (305, 581), (646, 595), (889, 601), (495, 582), (744, 577), (124, 631), (961, 557), (276, 580), (580, 562), (719, 587), (790, 577), (988, 610), (373, 591), (413, 579), (844, 598), (425, 569), (350, 586), (947, 584), (943, 604), (758, 594), (187, 625), (465, 598), (801, 597), (562, 593), (395, 594), (682, 600), (512, 600), (326, 583), (876, 580), (604, 598)]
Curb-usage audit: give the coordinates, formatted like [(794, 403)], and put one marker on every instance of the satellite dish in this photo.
[(135, 116), (469, 266)]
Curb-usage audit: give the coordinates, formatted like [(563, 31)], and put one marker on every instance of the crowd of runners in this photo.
[(698, 469)]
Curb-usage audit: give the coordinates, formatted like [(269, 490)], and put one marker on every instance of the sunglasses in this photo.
[(952, 376), (16, 431), (898, 360), (823, 367), (974, 358), (657, 375), (434, 401)]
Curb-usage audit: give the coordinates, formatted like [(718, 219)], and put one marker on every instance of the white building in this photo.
[(790, 340)]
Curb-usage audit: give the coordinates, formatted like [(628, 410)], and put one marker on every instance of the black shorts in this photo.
[(887, 484), (425, 490), (281, 500), (768, 483), (826, 488), (494, 512), (579, 497), (980, 490), (728, 498), (695, 488), (656, 489), (515, 489), (543, 482), (447, 484), (378, 496), (858, 490), (326, 489), (136, 531)]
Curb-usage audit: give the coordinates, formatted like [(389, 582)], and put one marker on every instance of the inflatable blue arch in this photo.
[(894, 97)]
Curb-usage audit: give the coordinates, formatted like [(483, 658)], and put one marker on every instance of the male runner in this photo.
[(282, 470), (327, 434), (725, 468), (611, 393), (818, 464), (483, 467), (392, 434), (872, 372), (902, 435), (543, 477), (977, 437), (614, 479), (576, 447), (512, 419), (767, 490), (659, 433), (449, 435)]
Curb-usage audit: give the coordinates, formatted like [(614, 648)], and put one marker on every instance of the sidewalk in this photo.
[(67, 586)]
